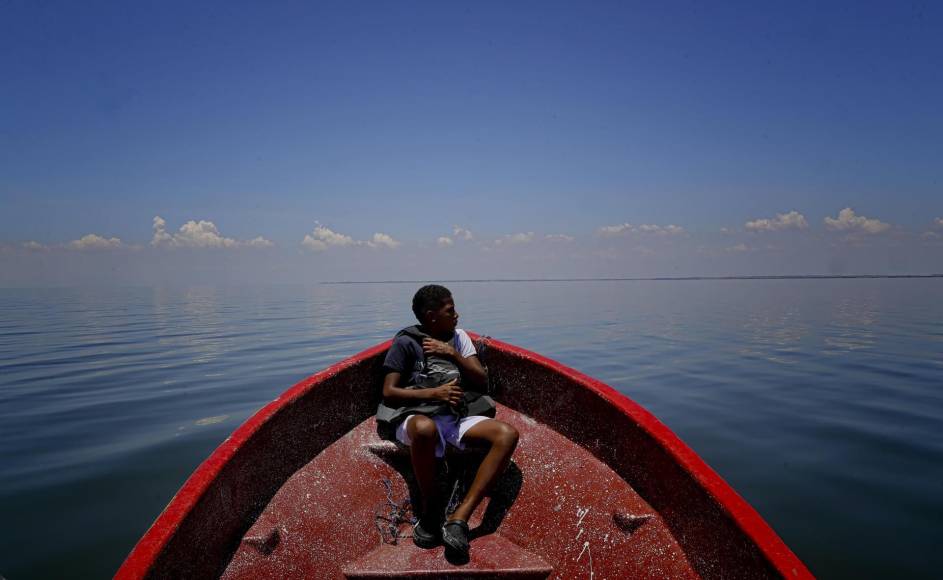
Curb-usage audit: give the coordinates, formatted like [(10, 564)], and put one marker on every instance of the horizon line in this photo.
[(645, 278)]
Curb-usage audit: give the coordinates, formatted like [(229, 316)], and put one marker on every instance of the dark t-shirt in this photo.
[(404, 357)]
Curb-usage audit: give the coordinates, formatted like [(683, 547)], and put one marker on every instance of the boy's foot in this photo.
[(455, 536), (425, 536)]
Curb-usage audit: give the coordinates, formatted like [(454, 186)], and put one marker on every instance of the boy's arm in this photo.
[(450, 392), (470, 366)]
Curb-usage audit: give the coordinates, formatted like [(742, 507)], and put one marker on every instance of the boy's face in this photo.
[(445, 319)]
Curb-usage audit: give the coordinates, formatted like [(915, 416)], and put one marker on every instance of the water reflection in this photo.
[(775, 336), (91, 320), (330, 308), (852, 325), (136, 415), (324, 311), (195, 327)]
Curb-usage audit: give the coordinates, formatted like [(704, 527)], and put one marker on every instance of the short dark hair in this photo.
[(430, 297)]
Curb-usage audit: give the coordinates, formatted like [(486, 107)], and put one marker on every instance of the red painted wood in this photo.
[(494, 557), (556, 503), (201, 529), (659, 465)]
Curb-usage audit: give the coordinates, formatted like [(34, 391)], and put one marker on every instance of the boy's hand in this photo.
[(439, 348), (450, 393)]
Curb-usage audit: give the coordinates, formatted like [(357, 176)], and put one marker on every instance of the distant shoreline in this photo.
[(643, 279)]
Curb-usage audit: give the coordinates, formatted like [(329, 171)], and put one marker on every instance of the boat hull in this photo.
[(632, 491)]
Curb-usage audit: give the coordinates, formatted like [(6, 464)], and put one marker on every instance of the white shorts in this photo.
[(451, 430)]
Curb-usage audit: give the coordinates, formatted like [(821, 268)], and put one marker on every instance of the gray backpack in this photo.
[(434, 372)]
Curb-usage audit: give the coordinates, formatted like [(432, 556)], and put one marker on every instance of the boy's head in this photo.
[(435, 309)]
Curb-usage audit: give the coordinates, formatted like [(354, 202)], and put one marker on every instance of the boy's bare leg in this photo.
[(503, 439), (423, 437)]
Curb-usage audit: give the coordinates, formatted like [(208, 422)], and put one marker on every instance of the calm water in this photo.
[(820, 401)]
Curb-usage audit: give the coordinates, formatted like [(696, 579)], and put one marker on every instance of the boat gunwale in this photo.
[(145, 553), (731, 503)]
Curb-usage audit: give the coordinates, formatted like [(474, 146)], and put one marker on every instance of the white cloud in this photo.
[(931, 235), (259, 242), (627, 228), (313, 244), (519, 238), (461, 233), (617, 230), (381, 240), (783, 221), (669, 230), (323, 238), (34, 246), (199, 234), (94, 242), (202, 234), (161, 236), (559, 238), (848, 221)]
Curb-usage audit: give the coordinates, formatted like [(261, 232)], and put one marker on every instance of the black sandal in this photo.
[(425, 536), (455, 535)]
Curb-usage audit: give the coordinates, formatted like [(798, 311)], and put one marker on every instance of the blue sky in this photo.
[(407, 119)]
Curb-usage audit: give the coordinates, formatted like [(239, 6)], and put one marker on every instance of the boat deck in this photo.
[(557, 512)]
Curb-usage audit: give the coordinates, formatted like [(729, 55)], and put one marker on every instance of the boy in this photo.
[(427, 411)]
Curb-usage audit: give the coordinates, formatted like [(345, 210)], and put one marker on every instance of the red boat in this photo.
[(597, 488)]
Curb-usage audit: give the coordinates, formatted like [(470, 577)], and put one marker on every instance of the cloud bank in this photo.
[(322, 238), (382, 241), (848, 221), (94, 242), (620, 249), (199, 234), (559, 238), (461, 233), (783, 221), (519, 238), (627, 228)]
